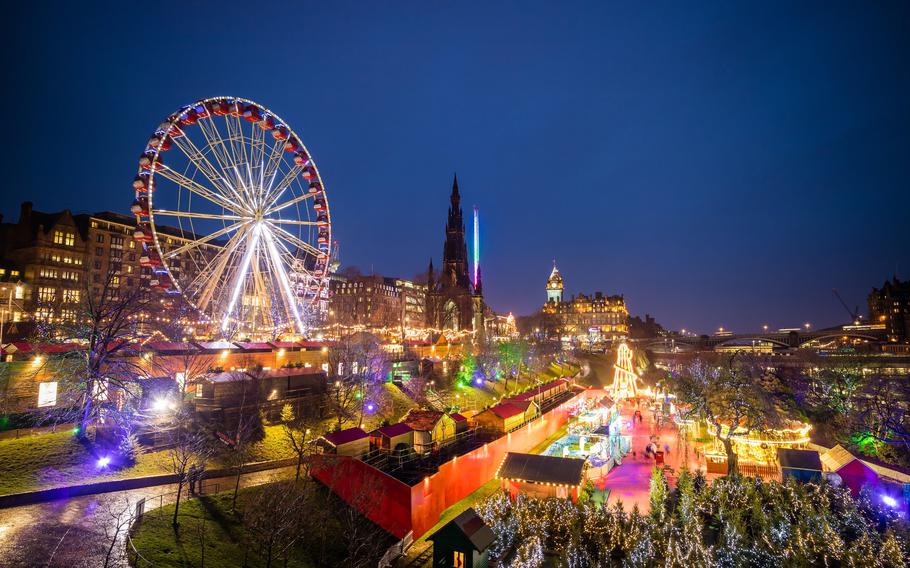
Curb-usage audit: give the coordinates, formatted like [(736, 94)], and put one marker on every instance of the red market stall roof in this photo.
[(23, 347), (506, 410), (422, 420), (217, 345), (392, 430), (541, 388), (286, 345), (313, 344), (255, 347), (171, 347), (536, 468), (345, 436), (457, 417)]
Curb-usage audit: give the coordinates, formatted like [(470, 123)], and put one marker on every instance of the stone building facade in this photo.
[(890, 305), (453, 302), (583, 319)]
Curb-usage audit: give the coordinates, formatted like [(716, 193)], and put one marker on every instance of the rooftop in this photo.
[(542, 469), (422, 420), (393, 430), (799, 459), (472, 527), (345, 436)]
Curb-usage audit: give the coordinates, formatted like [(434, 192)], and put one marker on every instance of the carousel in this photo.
[(756, 450)]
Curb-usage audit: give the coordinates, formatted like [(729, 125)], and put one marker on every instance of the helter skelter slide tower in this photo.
[(232, 214), (625, 381)]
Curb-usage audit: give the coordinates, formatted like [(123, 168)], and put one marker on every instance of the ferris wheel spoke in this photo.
[(283, 280), (282, 186), (210, 281), (216, 144), (202, 163), (241, 139), (271, 167), (291, 221), (297, 242), (238, 285), (233, 139), (197, 188), (198, 215), (290, 202), (206, 239)]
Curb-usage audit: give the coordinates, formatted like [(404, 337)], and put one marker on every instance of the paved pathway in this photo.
[(73, 533), (630, 482)]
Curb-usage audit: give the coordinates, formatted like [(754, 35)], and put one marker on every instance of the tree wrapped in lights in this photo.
[(733, 522)]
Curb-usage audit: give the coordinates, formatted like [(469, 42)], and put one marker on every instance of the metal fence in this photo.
[(153, 507)]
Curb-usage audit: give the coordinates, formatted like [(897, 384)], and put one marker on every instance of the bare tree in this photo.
[(273, 516), (107, 323), (356, 363), (188, 447), (882, 413), (298, 433), (735, 397), (114, 520)]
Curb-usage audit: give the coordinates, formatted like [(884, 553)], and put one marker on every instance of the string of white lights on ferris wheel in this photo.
[(235, 179)]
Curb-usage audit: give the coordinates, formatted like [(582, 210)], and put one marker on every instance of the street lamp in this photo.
[(764, 327), (808, 325)]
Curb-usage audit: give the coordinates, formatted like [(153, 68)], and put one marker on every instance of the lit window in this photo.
[(70, 296), (58, 237), (47, 394), (44, 314), (46, 294), (70, 239), (68, 314)]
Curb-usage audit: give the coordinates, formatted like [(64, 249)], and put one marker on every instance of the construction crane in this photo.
[(855, 316)]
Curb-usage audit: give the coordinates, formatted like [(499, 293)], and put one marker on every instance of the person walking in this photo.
[(191, 477)]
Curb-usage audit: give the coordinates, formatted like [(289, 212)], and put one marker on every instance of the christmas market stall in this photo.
[(463, 542), (801, 465), (351, 442), (542, 476)]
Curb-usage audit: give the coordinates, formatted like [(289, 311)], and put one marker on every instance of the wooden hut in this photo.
[(507, 415), (802, 465), (397, 438), (461, 422), (463, 542), (432, 429), (542, 476), (352, 442)]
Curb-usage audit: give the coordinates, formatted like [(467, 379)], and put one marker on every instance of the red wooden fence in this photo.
[(398, 508)]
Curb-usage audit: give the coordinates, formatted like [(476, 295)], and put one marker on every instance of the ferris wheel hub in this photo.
[(252, 239)]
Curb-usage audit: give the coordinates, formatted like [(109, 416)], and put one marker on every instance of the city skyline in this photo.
[(708, 183)]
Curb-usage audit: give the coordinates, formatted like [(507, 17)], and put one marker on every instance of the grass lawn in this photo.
[(225, 545), (58, 459)]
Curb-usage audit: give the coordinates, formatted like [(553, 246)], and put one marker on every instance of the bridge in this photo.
[(785, 339)]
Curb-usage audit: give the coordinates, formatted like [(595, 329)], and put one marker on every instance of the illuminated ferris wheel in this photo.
[(232, 214)]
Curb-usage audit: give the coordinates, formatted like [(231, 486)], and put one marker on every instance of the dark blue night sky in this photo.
[(727, 165)]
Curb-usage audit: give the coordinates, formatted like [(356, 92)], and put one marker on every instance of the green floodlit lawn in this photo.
[(58, 459), (224, 543)]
